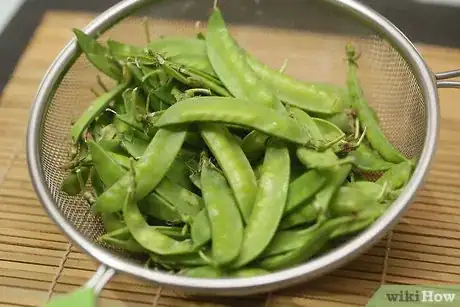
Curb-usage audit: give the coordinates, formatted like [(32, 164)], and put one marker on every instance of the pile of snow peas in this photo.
[(204, 161)]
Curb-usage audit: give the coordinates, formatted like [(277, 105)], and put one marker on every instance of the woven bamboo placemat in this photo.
[(37, 261)]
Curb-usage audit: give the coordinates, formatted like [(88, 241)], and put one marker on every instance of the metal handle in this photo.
[(86, 296), (442, 76)]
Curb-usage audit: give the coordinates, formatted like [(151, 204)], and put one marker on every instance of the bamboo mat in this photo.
[(37, 261)]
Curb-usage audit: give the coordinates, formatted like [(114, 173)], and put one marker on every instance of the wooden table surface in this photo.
[(37, 261)]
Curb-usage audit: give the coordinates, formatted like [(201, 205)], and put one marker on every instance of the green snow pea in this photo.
[(269, 205), (234, 111), (234, 164), (223, 214), (94, 110), (151, 168)]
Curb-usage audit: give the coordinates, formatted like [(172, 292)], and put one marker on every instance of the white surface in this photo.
[(7, 10)]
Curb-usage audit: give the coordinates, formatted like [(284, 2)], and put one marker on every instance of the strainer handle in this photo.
[(85, 296), (441, 78)]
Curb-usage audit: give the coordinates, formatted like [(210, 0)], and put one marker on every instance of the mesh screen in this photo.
[(387, 81)]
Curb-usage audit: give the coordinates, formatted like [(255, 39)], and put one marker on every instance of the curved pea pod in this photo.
[(269, 205), (311, 246), (317, 207), (122, 239), (203, 272), (398, 175), (312, 97), (350, 199), (340, 120), (94, 110), (367, 160), (360, 222), (304, 214), (173, 232), (201, 229), (229, 63), (108, 169), (123, 50), (190, 52), (187, 203), (254, 145), (148, 236), (374, 133), (112, 221), (156, 206), (320, 132), (247, 272), (96, 182), (97, 55), (330, 132), (234, 164), (134, 146), (234, 111), (195, 179), (75, 181), (302, 188), (288, 240), (223, 214), (179, 261), (150, 169)]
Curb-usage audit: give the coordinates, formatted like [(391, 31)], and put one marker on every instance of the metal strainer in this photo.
[(395, 78)]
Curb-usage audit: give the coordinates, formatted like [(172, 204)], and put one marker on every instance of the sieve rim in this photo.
[(311, 269)]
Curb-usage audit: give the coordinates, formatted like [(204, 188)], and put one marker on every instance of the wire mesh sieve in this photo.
[(394, 79)]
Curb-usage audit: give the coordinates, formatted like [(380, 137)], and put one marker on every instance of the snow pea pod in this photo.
[(313, 243), (94, 110), (304, 214), (187, 203), (234, 111), (302, 188), (158, 207), (234, 164), (112, 221), (110, 172), (148, 236), (122, 239), (223, 214), (201, 229), (185, 51), (254, 145), (269, 205), (203, 272), (367, 160), (97, 55), (312, 97), (76, 180), (288, 240), (398, 175), (178, 261), (375, 135), (352, 200), (312, 158), (317, 206), (150, 169), (229, 63)]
